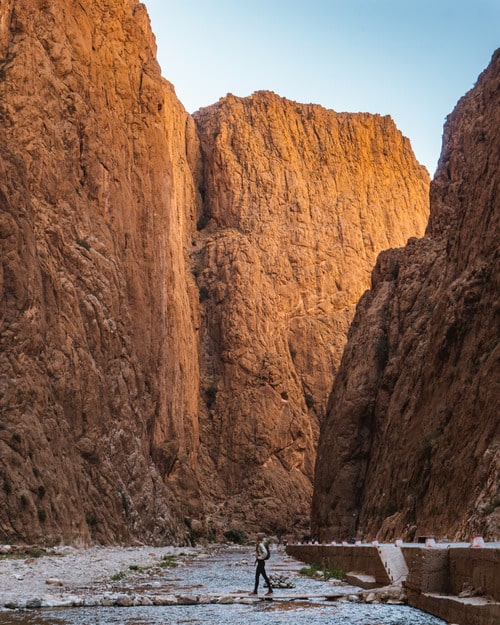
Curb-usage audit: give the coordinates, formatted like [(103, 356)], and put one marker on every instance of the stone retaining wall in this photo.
[(454, 570), (439, 576), (462, 611), (428, 570), (360, 558), (457, 584), (479, 568)]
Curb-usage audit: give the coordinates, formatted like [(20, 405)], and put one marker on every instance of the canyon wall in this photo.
[(411, 443), (175, 291), (297, 202), (98, 356)]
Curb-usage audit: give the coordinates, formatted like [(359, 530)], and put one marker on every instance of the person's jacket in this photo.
[(260, 551)]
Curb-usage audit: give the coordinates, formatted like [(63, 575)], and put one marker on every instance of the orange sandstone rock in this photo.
[(98, 360), (411, 442), (298, 201), (174, 292)]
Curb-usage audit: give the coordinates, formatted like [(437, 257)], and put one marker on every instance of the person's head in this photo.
[(260, 537)]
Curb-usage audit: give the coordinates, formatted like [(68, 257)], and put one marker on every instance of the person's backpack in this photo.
[(268, 552)]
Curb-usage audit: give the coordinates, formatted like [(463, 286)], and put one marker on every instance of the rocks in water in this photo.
[(392, 595), (371, 597), (353, 598), (279, 580), (123, 600), (225, 600), (395, 594)]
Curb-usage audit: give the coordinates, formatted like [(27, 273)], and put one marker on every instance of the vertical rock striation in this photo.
[(298, 201), (411, 441), (171, 318), (98, 358)]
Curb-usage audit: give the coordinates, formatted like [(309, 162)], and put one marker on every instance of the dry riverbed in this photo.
[(35, 577)]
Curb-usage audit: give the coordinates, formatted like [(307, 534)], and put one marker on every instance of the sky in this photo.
[(410, 59)]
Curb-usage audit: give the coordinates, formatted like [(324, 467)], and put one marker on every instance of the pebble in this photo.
[(165, 600), (225, 600)]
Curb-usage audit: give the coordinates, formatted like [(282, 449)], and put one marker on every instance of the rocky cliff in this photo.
[(411, 443), (297, 202), (174, 292), (98, 357)]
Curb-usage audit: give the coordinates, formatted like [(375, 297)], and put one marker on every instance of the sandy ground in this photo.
[(66, 569)]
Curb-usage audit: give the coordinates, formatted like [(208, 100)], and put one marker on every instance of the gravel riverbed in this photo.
[(155, 586)]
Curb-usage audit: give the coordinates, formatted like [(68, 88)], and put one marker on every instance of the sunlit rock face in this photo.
[(171, 318), (298, 201), (410, 444), (98, 358)]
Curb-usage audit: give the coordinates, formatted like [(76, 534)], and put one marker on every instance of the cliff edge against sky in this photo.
[(411, 443), (176, 290), (98, 361)]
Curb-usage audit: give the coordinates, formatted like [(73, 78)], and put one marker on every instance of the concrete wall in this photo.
[(478, 568), (436, 577), (453, 570), (428, 570), (466, 611), (361, 558)]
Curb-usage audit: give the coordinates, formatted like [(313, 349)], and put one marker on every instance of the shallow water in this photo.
[(229, 570), (266, 613)]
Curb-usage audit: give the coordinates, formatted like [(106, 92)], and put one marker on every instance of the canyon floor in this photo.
[(69, 575)]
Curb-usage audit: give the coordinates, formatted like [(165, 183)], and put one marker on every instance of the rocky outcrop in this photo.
[(171, 319), (298, 201), (98, 357), (411, 441)]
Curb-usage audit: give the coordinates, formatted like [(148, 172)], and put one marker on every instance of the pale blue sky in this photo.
[(409, 59)]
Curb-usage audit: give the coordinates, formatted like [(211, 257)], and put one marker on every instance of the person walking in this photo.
[(262, 554)]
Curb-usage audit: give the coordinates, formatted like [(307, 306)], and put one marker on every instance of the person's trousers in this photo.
[(261, 570)]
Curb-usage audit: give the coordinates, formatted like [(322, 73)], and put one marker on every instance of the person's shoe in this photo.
[(269, 592), (252, 593)]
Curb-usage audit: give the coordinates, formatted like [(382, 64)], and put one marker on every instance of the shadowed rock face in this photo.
[(298, 201), (171, 319), (98, 358), (411, 441)]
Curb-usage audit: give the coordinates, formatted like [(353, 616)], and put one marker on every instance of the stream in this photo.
[(224, 571)]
